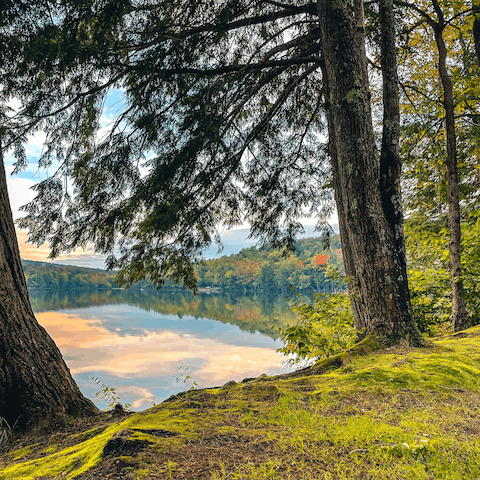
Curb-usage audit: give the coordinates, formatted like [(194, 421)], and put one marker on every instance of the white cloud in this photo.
[(37, 140), (19, 192)]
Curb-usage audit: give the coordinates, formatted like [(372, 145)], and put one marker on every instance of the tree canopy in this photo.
[(219, 123), (223, 119)]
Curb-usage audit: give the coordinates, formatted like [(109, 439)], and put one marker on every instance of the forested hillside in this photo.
[(266, 269), (51, 275), (251, 268)]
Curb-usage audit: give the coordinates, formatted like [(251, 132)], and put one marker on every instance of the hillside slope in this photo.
[(252, 268), (397, 413)]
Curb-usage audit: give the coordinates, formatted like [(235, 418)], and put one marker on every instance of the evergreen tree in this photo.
[(224, 106)]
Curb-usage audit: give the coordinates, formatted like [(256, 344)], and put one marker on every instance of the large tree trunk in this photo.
[(459, 314), (35, 383), (370, 225)]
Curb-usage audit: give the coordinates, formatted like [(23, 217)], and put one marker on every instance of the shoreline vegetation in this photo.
[(368, 412), (252, 312), (252, 269)]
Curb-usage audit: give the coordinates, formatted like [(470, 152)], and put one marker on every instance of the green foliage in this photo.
[(431, 299), (65, 277), (252, 268), (269, 269), (185, 377), (109, 394), (423, 113), (428, 271), (325, 327)]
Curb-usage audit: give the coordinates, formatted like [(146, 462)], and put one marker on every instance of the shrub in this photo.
[(325, 327)]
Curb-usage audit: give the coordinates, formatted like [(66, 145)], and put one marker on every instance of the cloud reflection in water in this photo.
[(137, 352)]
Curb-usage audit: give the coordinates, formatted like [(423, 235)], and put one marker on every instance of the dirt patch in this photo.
[(121, 444)]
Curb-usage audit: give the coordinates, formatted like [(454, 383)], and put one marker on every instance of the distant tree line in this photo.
[(251, 268), (66, 277), (264, 268)]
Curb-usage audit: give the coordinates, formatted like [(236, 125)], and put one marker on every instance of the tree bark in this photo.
[(390, 159), (476, 27), (459, 314), (35, 384), (369, 215)]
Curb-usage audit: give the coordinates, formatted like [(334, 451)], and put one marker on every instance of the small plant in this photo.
[(169, 466), (110, 395), (248, 417), (142, 473), (325, 327), (6, 431), (185, 377), (222, 474)]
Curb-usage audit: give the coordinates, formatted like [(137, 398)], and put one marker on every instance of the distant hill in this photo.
[(251, 268), (264, 268), (51, 275)]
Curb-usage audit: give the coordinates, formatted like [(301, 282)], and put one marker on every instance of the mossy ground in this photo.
[(398, 413)]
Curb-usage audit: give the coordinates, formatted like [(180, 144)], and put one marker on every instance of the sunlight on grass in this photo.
[(408, 413)]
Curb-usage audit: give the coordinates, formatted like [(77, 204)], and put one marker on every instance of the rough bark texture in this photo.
[(390, 159), (476, 27), (35, 383), (373, 260), (459, 314)]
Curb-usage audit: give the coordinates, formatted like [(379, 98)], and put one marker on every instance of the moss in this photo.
[(142, 473), (51, 449), (352, 95), (76, 459), (399, 412), (88, 434), (20, 452), (125, 459)]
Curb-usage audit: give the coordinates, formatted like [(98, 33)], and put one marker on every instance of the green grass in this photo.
[(391, 414)]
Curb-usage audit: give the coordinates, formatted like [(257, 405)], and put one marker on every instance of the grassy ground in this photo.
[(398, 413)]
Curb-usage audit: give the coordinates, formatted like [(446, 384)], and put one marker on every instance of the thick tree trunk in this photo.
[(370, 222), (35, 383), (459, 314)]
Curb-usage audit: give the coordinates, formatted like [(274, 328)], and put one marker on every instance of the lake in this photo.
[(151, 345)]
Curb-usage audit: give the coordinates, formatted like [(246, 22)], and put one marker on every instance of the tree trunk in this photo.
[(476, 27), (370, 223), (390, 159), (459, 314), (35, 383)]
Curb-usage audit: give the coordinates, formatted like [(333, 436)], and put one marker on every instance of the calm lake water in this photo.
[(145, 344)]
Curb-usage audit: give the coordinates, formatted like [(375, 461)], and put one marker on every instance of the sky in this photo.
[(20, 192)]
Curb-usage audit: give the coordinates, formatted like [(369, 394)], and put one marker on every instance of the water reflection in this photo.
[(251, 313), (134, 341)]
